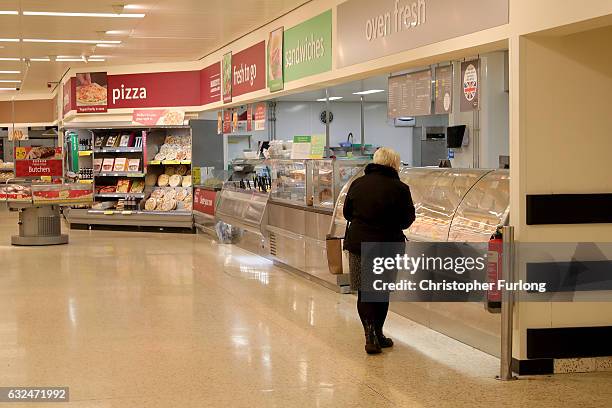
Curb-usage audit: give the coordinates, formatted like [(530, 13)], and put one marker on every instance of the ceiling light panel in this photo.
[(10, 72), (369, 92), (65, 14), (9, 12), (46, 40), (9, 59), (9, 39), (331, 98), (10, 81)]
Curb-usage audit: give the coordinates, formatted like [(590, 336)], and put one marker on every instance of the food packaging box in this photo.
[(137, 186), (107, 164), (134, 165), (97, 165), (125, 140), (123, 186), (120, 164), (112, 141)]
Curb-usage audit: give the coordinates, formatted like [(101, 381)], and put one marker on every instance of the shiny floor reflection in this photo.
[(168, 320)]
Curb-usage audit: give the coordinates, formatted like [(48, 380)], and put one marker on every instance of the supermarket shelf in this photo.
[(118, 150), (120, 174), (119, 195), (85, 152), (155, 219), (158, 162)]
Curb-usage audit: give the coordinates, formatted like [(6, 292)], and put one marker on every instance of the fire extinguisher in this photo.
[(494, 271)]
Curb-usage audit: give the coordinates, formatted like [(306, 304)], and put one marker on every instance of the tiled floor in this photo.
[(164, 320)]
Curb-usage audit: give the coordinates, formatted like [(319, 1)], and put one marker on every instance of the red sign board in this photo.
[(152, 90), (204, 201), (68, 95), (162, 117), (260, 116), (210, 84), (38, 161), (249, 69), (249, 119), (227, 121)]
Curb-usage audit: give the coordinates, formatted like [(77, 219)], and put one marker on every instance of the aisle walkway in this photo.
[(162, 320)]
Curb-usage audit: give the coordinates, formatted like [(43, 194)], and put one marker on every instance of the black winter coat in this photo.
[(378, 206)]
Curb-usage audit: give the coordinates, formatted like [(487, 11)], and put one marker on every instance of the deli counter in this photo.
[(452, 205), (284, 212)]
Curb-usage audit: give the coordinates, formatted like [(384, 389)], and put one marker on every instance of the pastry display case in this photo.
[(328, 178), (290, 181)]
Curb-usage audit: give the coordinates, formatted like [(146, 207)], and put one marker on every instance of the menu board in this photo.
[(410, 95), (443, 99)]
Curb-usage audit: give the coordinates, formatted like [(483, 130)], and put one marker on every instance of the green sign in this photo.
[(307, 47), (74, 152), (308, 147)]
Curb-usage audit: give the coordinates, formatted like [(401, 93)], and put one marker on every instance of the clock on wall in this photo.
[(323, 117)]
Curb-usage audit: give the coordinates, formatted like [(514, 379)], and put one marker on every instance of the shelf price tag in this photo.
[(20, 153), (108, 212), (171, 162)]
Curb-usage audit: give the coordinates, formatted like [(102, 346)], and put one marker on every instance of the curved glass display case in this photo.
[(329, 176), (460, 205)]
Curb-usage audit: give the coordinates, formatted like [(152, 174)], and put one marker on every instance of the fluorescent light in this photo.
[(368, 92), (105, 45), (10, 72), (46, 59), (8, 89), (133, 7), (9, 12), (63, 14), (115, 32), (44, 40), (331, 98), (10, 81), (9, 39), (9, 59), (69, 60), (96, 60)]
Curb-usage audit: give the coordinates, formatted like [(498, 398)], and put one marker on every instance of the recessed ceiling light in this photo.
[(43, 40), (9, 12), (46, 59), (368, 92), (70, 60), (331, 98), (105, 45), (10, 81), (63, 14), (134, 7), (96, 60), (114, 32), (10, 72), (9, 39), (8, 89), (9, 59)]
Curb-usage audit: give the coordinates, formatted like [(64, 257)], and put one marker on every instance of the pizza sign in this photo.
[(469, 75)]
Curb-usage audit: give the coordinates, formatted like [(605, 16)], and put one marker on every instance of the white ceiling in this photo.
[(171, 31), (345, 91)]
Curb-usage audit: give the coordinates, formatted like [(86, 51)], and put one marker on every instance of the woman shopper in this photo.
[(378, 207)]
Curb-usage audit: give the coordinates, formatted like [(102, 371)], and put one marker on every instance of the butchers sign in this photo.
[(204, 201), (38, 161), (249, 69)]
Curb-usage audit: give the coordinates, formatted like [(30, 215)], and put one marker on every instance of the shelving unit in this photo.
[(127, 208)]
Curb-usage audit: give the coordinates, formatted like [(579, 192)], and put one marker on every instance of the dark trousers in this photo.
[(372, 312)]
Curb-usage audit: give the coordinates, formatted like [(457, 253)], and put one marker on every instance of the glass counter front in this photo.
[(289, 181), (328, 178)]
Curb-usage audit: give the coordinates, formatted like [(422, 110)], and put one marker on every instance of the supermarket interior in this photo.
[(179, 181)]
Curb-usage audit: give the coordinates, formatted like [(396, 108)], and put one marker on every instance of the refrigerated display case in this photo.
[(328, 178), (452, 205), (290, 181)]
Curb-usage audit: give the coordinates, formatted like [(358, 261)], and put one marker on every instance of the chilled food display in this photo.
[(6, 171), (15, 192)]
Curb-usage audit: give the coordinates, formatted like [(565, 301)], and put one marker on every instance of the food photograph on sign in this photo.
[(275, 59), (227, 77), (91, 89)]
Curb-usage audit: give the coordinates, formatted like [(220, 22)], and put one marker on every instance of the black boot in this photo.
[(372, 346), (383, 341)]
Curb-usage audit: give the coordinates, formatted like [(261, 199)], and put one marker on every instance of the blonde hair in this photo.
[(386, 156)]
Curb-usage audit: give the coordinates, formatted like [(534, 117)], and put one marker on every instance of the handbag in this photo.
[(333, 246)]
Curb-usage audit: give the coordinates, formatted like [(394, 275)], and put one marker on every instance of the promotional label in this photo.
[(368, 30), (275, 60), (204, 201), (153, 90), (219, 122), (443, 100), (470, 76), (68, 195), (248, 69), (260, 116), (160, 117), (18, 133), (227, 121), (38, 161), (249, 119), (307, 47), (210, 84), (226, 78), (91, 92)]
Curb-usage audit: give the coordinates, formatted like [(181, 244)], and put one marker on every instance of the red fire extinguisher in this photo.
[(494, 271)]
